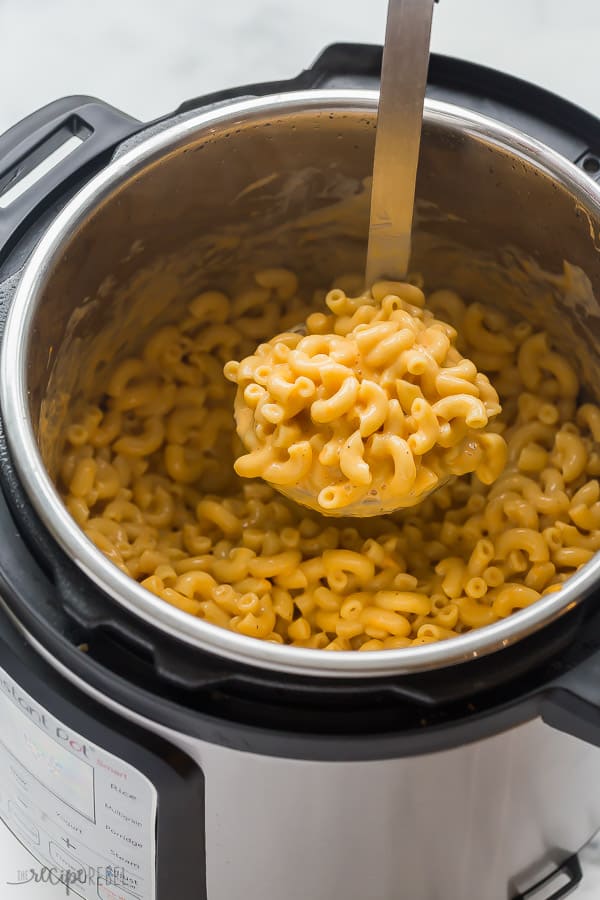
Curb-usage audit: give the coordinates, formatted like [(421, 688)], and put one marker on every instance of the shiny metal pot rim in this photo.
[(123, 589)]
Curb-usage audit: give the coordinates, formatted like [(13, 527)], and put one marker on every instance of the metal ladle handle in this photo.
[(399, 122)]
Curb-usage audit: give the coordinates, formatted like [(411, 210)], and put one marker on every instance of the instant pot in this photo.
[(185, 761)]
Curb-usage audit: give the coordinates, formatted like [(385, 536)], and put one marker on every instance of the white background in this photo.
[(146, 56)]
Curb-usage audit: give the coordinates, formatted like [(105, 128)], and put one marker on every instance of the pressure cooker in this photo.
[(185, 761)]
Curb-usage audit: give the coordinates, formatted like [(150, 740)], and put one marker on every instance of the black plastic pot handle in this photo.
[(37, 139), (572, 702)]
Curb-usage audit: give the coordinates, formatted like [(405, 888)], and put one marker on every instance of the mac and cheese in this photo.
[(147, 472), (368, 411)]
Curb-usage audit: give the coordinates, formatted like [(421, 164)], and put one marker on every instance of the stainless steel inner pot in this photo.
[(284, 180)]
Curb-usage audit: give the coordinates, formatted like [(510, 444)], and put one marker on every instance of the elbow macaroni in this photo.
[(371, 409), (147, 473)]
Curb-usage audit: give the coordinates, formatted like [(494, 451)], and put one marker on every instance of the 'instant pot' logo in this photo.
[(40, 718)]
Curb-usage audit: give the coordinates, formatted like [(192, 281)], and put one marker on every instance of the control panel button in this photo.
[(62, 859), (24, 824)]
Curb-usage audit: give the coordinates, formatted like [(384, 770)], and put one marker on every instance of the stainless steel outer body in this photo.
[(479, 822), (464, 824), (283, 180)]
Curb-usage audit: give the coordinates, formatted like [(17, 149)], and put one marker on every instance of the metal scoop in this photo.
[(399, 123), (398, 138)]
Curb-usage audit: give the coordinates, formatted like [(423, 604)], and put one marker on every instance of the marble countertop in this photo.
[(146, 56)]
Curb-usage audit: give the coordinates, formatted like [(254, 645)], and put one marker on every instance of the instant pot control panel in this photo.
[(82, 787), (89, 794)]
